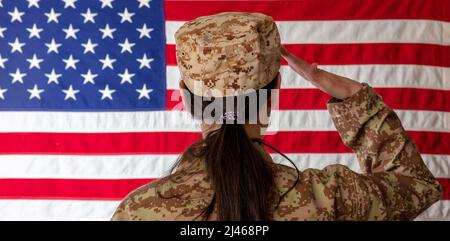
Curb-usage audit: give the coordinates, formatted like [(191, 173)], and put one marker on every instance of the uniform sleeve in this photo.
[(394, 182)]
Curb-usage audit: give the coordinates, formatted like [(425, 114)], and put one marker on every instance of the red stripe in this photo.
[(90, 189), (315, 99), (315, 9), (177, 142), (373, 53), (96, 143), (368, 53), (73, 189), (445, 182)]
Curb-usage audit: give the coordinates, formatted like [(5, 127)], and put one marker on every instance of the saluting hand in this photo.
[(332, 84), (303, 68)]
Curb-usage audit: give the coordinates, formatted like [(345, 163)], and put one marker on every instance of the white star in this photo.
[(126, 77), (2, 91), (71, 32), (35, 92), (143, 93), (32, 3), (52, 16), (69, 3), (126, 16), (145, 62), (17, 77), (126, 46), (35, 62), (107, 93), (107, 3), (89, 77), (2, 61), (107, 62), (1, 4), (16, 46), (89, 46), (16, 15), (71, 62), (53, 77), (144, 31), (1, 31), (88, 16), (144, 3), (53, 46), (34, 31), (70, 93), (107, 32)]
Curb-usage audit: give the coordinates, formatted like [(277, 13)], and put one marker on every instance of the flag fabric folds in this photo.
[(89, 106)]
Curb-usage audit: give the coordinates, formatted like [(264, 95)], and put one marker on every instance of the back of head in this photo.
[(222, 58)]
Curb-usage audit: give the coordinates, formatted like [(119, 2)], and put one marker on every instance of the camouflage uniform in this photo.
[(395, 184), (241, 51)]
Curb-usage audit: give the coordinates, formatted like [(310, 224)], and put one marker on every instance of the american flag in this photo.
[(89, 102)]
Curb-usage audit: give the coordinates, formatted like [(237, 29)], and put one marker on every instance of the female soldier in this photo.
[(228, 175)]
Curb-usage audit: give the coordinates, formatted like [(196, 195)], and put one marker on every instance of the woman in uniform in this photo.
[(227, 59)]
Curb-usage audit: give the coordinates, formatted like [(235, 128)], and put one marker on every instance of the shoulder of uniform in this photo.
[(143, 203), (148, 190), (284, 170), (284, 176), (166, 198), (288, 173), (178, 185)]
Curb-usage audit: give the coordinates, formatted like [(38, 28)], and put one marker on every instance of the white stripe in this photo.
[(438, 211), (56, 210), (85, 166), (397, 75), (96, 122), (355, 31), (181, 121), (103, 210), (154, 166), (292, 120)]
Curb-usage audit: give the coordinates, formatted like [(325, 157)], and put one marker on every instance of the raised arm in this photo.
[(394, 182)]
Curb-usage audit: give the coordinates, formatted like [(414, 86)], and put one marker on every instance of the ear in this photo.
[(182, 85), (275, 94), (183, 93), (278, 83), (273, 100)]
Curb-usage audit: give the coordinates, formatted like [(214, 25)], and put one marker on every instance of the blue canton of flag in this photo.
[(82, 55)]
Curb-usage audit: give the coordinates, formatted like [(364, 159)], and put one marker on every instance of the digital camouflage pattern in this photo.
[(394, 183), (227, 53)]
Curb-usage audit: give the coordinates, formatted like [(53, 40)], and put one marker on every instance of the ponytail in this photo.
[(243, 181)]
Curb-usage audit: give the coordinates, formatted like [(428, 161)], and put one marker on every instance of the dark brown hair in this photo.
[(243, 182)]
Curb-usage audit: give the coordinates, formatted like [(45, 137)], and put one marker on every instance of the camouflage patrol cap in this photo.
[(227, 53)]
